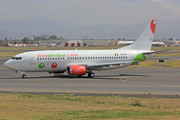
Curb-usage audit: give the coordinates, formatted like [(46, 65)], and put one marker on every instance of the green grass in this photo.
[(74, 107), (105, 114)]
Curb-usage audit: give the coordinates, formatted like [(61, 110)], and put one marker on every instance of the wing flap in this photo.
[(145, 53), (110, 64)]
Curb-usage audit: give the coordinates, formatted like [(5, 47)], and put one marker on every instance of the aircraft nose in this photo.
[(8, 64)]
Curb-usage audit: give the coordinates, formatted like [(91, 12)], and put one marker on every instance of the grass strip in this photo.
[(71, 106)]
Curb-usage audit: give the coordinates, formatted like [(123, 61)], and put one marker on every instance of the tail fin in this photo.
[(144, 41), (174, 39)]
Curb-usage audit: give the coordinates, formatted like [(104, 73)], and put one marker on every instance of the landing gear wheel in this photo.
[(91, 75), (79, 76), (24, 76)]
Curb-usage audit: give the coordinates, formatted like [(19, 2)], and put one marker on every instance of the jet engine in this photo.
[(76, 70)]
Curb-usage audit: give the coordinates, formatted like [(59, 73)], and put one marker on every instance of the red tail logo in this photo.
[(153, 25)]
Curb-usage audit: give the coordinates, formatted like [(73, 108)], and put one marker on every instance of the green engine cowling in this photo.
[(140, 57)]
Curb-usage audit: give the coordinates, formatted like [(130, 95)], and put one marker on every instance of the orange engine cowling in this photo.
[(76, 70)]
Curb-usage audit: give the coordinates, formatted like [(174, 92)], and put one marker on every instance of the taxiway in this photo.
[(159, 81)]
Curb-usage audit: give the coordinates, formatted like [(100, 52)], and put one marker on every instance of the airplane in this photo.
[(82, 62), (125, 42), (131, 42), (157, 43), (176, 42)]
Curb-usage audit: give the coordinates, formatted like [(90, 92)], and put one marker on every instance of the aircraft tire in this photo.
[(24, 76), (91, 75)]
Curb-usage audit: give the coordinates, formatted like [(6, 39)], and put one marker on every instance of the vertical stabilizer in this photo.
[(144, 41)]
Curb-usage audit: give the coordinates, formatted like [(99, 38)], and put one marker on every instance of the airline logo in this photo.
[(153, 26), (51, 55), (41, 65), (54, 65), (57, 55)]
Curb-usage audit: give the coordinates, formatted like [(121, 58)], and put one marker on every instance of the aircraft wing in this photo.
[(145, 53), (109, 65)]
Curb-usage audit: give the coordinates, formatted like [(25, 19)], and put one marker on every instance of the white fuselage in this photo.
[(58, 60)]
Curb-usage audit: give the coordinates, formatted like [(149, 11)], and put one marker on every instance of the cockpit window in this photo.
[(17, 58)]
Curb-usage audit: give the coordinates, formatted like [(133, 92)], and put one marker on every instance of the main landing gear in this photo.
[(91, 75), (24, 76)]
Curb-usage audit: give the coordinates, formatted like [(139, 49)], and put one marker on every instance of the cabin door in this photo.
[(32, 59)]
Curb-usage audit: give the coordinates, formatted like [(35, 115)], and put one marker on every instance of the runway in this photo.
[(158, 81)]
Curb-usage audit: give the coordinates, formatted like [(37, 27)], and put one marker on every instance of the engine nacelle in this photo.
[(76, 70)]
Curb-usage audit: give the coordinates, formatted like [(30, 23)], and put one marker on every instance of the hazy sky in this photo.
[(91, 12)]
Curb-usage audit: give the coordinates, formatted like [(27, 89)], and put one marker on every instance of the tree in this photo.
[(53, 37), (26, 40), (119, 38), (37, 38)]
